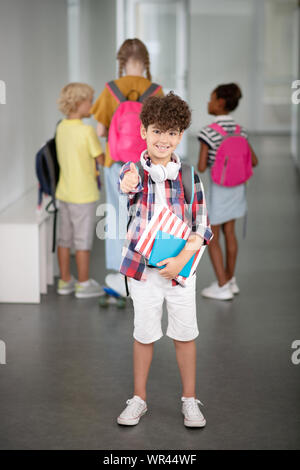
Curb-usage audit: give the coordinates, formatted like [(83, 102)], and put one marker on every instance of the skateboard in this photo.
[(111, 296)]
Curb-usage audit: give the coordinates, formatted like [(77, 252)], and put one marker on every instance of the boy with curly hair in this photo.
[(164, 120), (78, 150)]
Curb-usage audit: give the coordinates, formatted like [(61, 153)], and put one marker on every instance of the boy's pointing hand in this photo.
[(130, 180)]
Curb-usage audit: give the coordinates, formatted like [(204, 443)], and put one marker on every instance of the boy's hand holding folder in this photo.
[(174, 265), (168, 240)]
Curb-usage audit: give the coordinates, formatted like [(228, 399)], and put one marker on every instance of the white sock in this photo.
[(85, 283)]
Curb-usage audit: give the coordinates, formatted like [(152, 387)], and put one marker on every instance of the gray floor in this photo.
[(69, 371)]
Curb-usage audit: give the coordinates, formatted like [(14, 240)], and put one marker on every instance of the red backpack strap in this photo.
[(115, 92), (237, 129), (218, 128)]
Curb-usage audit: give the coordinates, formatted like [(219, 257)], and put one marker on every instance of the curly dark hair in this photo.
[(231, 93), (166, 112)]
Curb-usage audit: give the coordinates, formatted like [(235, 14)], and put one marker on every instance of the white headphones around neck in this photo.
[(160, 173)]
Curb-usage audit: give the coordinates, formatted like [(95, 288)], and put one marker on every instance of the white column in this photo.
[(74, 40), (295, 124)]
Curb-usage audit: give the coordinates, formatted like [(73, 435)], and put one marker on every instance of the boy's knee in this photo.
[(146, 341), (141, 343), (180, 343), (228, 229), (214, 242), (216, 232)]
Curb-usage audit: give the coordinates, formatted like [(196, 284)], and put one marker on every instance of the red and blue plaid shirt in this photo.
[(141, 205)]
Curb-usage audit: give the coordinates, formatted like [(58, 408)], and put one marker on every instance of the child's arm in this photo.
[(203, 156), (176, 264), (254, 158), (129, 180), (101, 130), (201, 234), (100, 159), (94, 145)]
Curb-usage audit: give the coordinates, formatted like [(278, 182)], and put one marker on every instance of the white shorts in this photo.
[(148, 297)]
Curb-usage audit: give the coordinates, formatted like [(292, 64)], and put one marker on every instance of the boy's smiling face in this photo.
[(160, 144)]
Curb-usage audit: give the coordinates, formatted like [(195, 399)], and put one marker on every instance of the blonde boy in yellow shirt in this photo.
[(78, 150)]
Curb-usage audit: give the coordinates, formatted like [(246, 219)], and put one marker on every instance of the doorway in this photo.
[(163, 26)]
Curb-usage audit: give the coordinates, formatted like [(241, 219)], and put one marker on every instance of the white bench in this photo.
[(26, 258)]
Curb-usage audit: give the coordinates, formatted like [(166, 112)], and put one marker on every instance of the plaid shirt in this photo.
[(141, 205)]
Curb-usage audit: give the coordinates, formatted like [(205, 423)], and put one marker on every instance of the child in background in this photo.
[(78, 150), (134, 63), (225, 204), (163, 123)]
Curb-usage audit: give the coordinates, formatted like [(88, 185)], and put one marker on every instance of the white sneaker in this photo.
[(136, 407), (65, 288), (117, 283), (214, 291), (233, 286), (193, 418), (87, 289)]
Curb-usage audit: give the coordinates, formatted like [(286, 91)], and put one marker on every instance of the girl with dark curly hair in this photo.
[(225, 204)]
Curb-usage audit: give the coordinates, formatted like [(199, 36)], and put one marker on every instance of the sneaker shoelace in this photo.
[(136, 404), (192, 406)]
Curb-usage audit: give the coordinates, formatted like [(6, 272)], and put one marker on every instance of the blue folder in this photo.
[(167, 246)]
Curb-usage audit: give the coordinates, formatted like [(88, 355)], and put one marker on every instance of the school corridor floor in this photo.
[(69, 363)]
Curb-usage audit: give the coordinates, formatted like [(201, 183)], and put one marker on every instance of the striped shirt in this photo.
[(213, 139)]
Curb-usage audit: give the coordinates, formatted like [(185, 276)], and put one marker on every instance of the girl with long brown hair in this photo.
[(134, 64)]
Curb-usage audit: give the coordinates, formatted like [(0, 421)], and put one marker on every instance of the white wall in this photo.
[(295, 137), (97, 42), (33, 58), (278, 57), (221, 51), (92, 44), (248, 42)]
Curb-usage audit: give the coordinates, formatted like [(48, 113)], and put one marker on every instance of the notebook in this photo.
[(164, 237), (168, 246)]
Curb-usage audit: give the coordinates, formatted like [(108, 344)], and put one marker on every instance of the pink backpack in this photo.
[(124, 135), (233, 163)]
